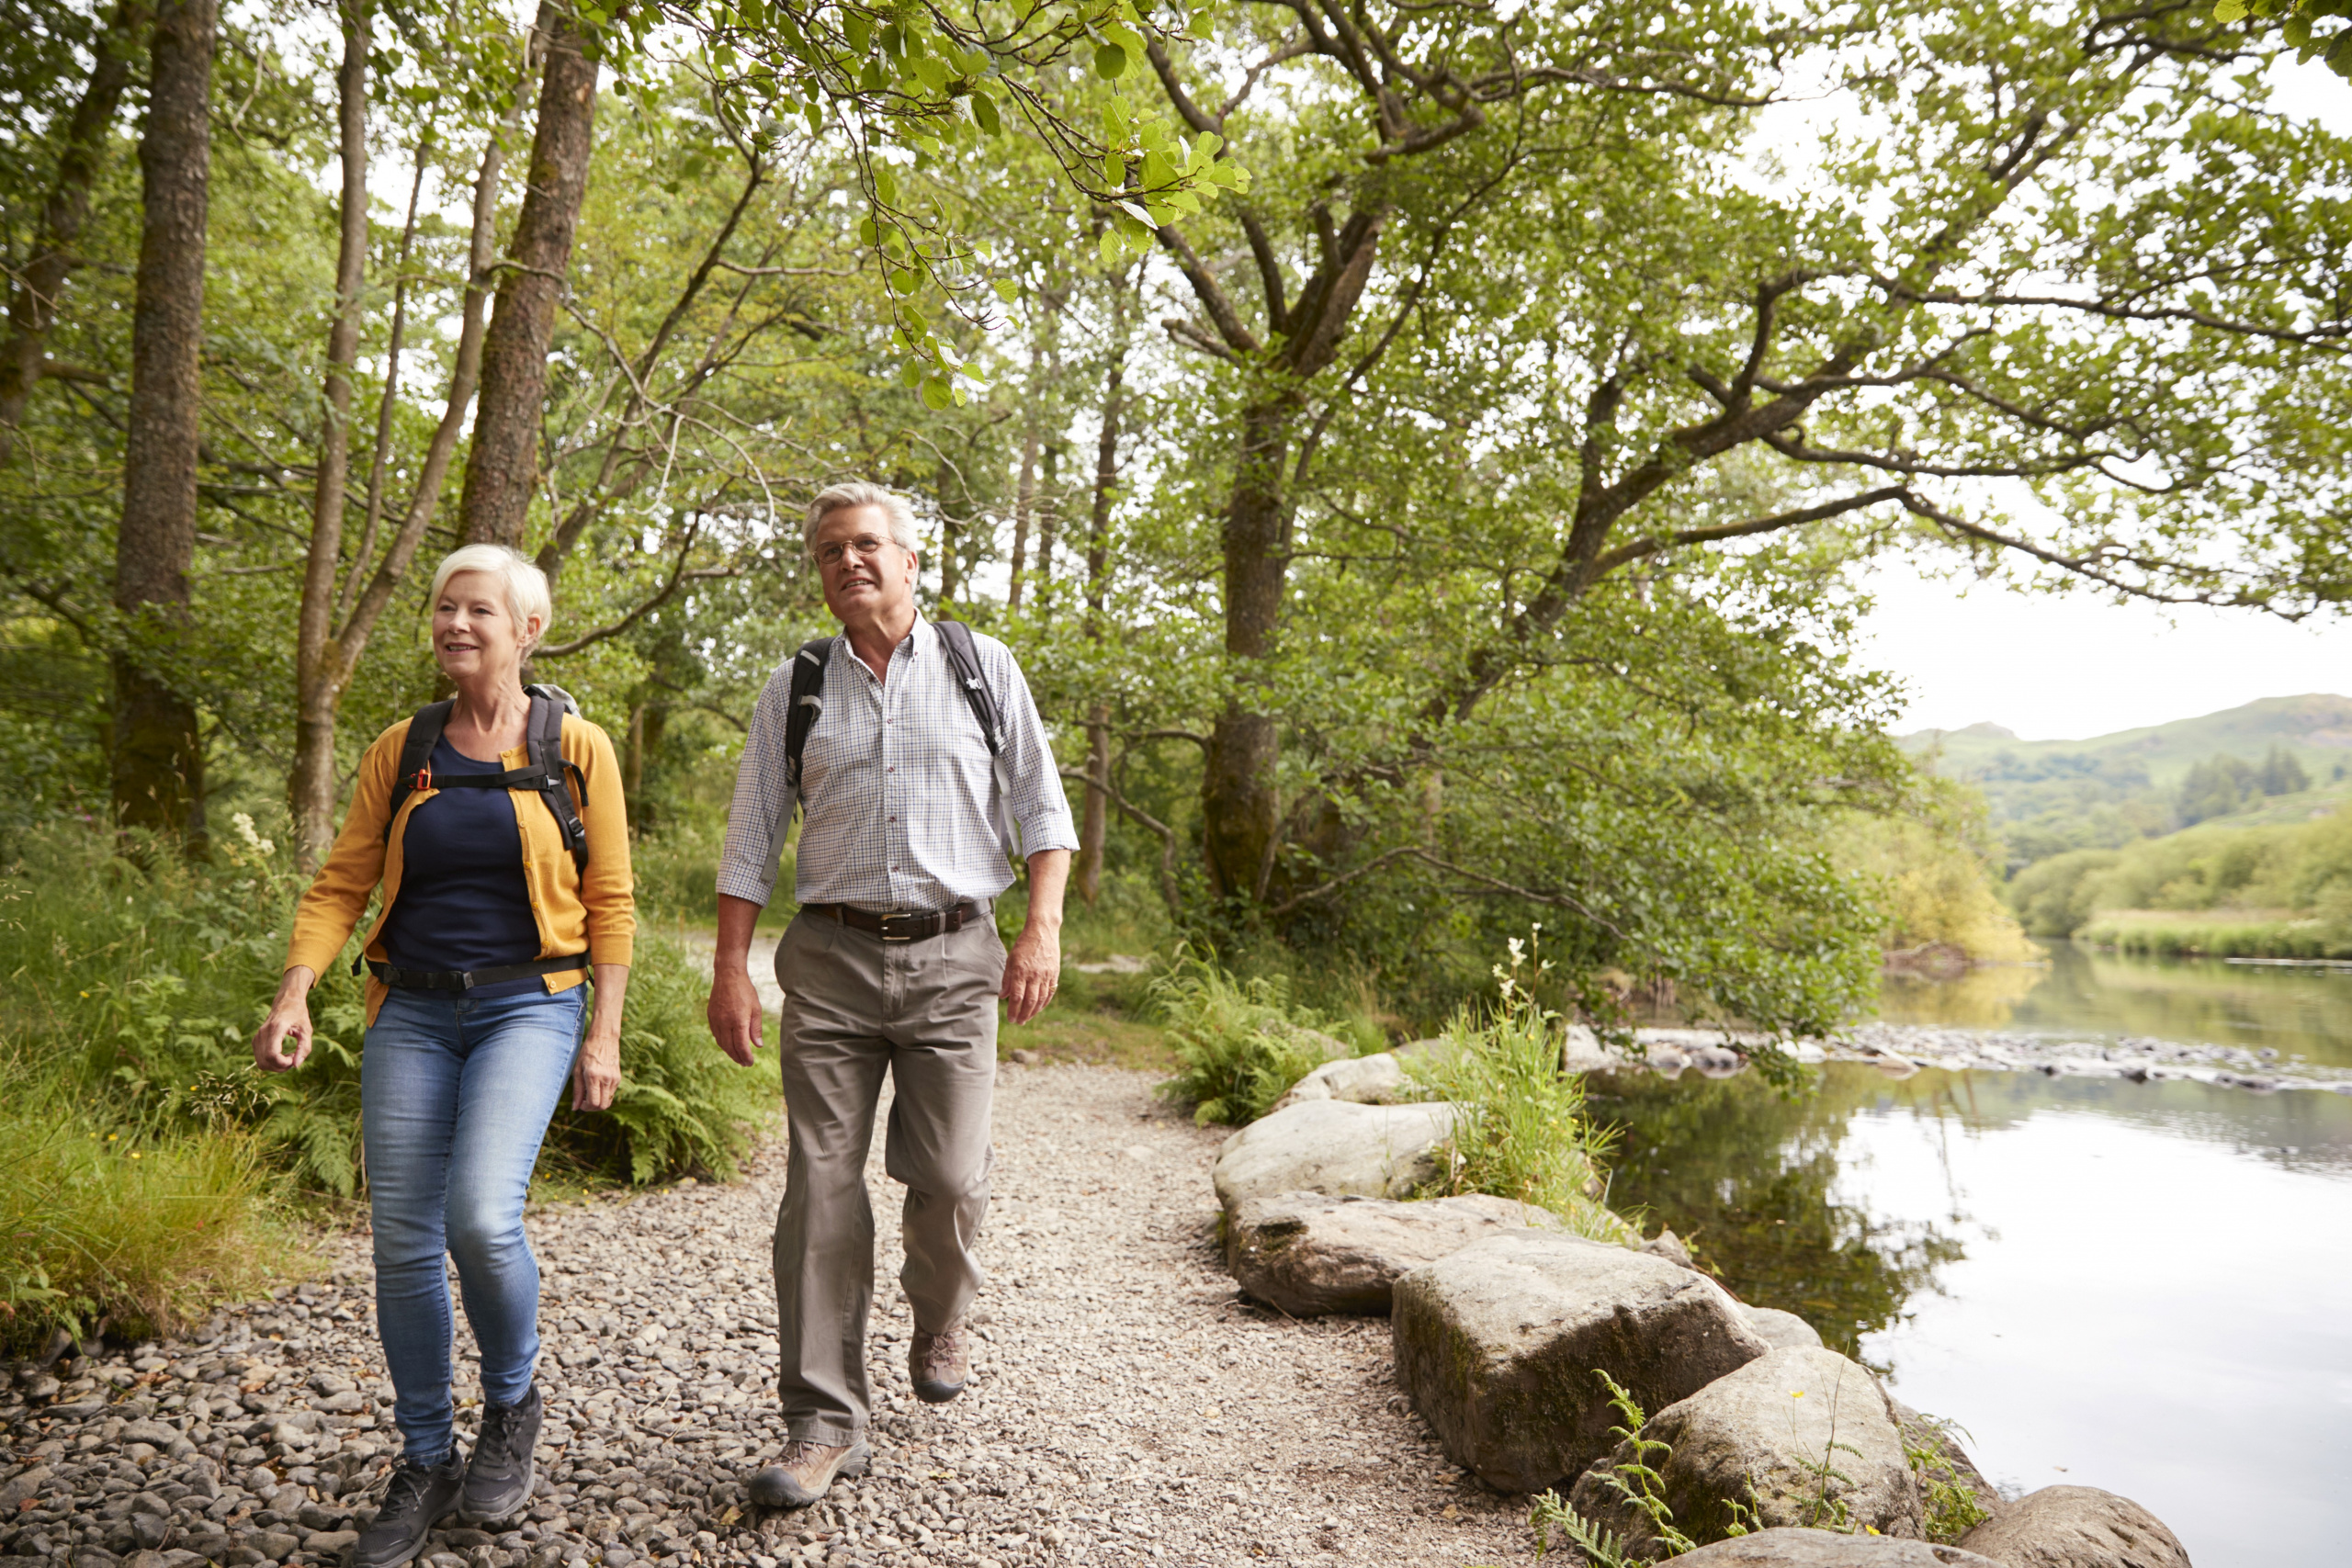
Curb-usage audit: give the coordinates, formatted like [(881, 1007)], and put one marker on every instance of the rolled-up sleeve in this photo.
[(762, 809), (1039, 805)]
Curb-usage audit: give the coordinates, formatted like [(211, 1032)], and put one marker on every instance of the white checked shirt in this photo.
[(900, 788)]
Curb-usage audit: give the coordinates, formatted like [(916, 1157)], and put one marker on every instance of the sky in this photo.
[(2070, 667)]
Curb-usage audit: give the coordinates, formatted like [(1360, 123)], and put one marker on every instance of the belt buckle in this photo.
[(883, 928)]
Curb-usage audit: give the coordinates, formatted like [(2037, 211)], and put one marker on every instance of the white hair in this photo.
[(525, 584), (857, 493)]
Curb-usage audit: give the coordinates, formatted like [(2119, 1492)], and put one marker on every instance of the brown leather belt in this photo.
[(898, 928)]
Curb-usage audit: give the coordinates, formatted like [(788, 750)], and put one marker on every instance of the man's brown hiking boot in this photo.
[(803, 1472), (939, 1365)]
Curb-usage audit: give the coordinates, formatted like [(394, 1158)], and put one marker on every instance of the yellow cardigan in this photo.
[(593, 912)]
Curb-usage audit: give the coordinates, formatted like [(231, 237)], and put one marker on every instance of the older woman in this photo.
[(500, 888)]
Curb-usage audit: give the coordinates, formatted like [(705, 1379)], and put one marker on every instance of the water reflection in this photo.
[(2298, 1012), (2115, 1284), (1744, 1174)]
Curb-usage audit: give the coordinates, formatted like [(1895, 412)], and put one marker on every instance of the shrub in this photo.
[(1522, 1132), (1239, 1044)]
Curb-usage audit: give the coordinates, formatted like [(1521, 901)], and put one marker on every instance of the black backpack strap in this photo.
[(416, 757), (965, 655), (807, 704), (555, 776)]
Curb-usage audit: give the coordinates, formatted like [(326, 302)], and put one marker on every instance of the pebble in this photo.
[(1128, 1408)]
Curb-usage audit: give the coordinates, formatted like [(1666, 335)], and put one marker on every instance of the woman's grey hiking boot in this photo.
[(805, 1468), (414, 1500), (498, 1482)]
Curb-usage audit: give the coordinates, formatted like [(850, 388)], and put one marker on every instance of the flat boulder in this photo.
[(1500, 1344), (1334, 1147), (1782, 1330), (1310, 1254), (1800, 1436), (2076, 1527), (1362, 1080), (1787, 1548)]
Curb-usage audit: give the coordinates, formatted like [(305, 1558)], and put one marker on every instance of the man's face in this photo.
[(867, 577)]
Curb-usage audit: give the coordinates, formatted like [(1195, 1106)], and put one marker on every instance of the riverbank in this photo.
[(1901, 1049)]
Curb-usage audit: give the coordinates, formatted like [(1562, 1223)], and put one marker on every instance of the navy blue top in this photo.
[(462, 903)]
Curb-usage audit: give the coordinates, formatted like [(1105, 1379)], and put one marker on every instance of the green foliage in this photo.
[(2220, 787), (2282, 890), (1239, 1044), (1520, 1132), (1635, 1479), (1935, 885), (1951, 1507), (139, 984), (133, 1224), (2315, 29)]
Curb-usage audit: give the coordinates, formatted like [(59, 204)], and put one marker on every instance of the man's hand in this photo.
[(1033, 970), (734, 1000), (283, 1040), (735, 1012)]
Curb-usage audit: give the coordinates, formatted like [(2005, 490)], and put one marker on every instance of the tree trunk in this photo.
[(1238, 804), (1094, 820), (33, 296), (1049, 527), (312, 784), (317, 692), (502, 467), (158, 765), (1024, 503)]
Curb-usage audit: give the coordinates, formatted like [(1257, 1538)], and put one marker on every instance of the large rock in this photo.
[(1800, 1436), (1827, 1549), (1782, 1330), (1309, 1254), (2076, 1527), (1501, 1345), (1333, 1147), (1362, 1080)]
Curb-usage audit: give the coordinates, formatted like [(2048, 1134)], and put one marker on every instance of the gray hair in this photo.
[(525, 584), (857, 493)]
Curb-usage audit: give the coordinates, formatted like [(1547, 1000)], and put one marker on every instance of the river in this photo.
[(2144, 1287)]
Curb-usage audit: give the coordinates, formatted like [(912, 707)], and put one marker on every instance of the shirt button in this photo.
[(892, 768)]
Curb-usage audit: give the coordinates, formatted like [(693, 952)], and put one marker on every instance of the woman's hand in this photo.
[(283, 1040), (597, 1073)]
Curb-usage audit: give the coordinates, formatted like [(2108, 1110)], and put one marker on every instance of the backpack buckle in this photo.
[(423, 779)]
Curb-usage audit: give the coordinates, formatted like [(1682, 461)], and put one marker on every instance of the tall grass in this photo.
[(139, 1230), (1520, 1132), (2218, 933), (1239, 1044)]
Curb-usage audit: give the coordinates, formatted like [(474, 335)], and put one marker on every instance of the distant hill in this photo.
[(2048, 796), (2316, 729)]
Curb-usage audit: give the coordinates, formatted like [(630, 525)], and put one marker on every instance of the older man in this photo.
[(892, 964)]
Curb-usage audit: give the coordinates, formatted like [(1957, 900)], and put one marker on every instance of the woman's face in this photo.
[(474, 633)]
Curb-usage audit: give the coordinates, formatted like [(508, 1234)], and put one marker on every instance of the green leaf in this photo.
[(858, 28), (938, 393), (984, 114), (1111, 247), (1007, 290), (886, 185), (1110, 62), (866, 232), (872, 79)]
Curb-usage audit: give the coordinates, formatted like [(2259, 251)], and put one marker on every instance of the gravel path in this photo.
[(1127, 1408)]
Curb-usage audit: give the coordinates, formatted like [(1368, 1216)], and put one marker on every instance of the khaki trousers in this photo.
[(855, 1006)]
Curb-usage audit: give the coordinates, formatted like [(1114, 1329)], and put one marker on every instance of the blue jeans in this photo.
[(454, 1095)]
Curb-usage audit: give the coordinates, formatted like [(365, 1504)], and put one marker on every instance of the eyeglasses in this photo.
[(867, 546)]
